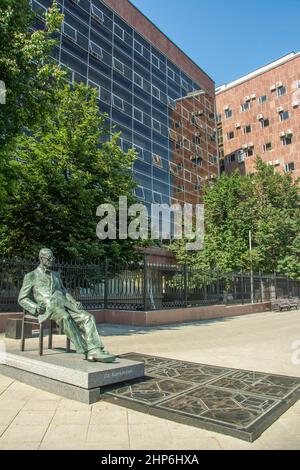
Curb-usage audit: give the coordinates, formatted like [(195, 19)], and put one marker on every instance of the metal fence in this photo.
[(148, 286)]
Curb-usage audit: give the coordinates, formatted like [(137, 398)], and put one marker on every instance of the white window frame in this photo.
[(262, 102), (143, 193), (157, 163), (153, 87), (160, 197), (245, 129), (286, 167), (97, 14), (186, 144), (95, 85), (245, 106), (185, 84), (281, 88), (153, 56), (140, 111), (38, 11), (116, 105), (141, 153), (116, 61), (97, 54), (284, 139), (229, 110), (173, 168), (168, 73), (159, 125), (171, 102), (135, 41), (265, 149), (262, 123), (69, 70), (135, 74), (116, 27), (64, 25)]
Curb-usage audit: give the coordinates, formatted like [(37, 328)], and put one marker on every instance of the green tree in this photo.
[(30, 74), (62, 173), (267, 203)]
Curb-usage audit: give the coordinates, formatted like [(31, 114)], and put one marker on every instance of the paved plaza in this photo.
[(265, 342)]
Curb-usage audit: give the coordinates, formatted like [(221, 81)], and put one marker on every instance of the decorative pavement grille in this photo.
[(239, 403)]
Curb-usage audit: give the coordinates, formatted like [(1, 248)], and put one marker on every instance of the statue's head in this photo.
[(46, 258)]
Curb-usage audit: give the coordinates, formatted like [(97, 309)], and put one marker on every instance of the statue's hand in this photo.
[(41, 309), (79, 306)]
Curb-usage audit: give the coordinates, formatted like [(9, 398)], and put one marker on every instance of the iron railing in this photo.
[(148, 286)]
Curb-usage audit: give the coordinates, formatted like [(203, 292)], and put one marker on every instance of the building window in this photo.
[(96, 51), (228, 113), (140, 151), (139, 192), (138, 79), (119, 31), (138, 47), (232, 157), (156, 125), (267, 147), (230, 135), (287, 140), (118, 102), (185, 85), (186, 144), (264, 123), (96, 87), (281, 91), (155, 92), (171, 73), (69, 32), (138, 115), (171, 102), (262, 99), (298, 84), (245, 106), (118, 65), (290, 167), (249, 152), (97, 14), (284, 116), (157, 161), (157, 198), (155, 60), (247, 129)]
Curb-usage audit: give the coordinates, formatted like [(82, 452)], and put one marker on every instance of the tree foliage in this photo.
[(60, 161), (265, 203)]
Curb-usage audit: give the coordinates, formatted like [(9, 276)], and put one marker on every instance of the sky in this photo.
[(228, 38)]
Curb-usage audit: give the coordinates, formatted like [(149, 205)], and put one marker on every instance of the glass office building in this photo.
[(161, 101)]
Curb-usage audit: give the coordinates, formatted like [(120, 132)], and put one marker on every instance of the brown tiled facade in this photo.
[(269, 125)]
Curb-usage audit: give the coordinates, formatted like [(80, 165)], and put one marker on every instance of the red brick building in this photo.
[(259, 114)]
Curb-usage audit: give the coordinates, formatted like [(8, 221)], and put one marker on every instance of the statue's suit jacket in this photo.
[(40, 288)]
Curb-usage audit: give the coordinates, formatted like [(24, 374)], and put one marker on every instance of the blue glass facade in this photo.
[(157, 106)]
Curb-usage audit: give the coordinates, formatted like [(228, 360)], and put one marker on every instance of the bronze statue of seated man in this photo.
[(44, 295)]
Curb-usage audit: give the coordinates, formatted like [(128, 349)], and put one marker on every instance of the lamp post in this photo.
[(251, 274)]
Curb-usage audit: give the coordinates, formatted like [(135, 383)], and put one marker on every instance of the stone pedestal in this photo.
[(68, 374), (13, 329)]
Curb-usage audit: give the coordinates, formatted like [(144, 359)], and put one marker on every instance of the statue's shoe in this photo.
[(103, 356)]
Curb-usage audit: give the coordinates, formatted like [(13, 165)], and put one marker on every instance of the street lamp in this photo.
[(251, 278)]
